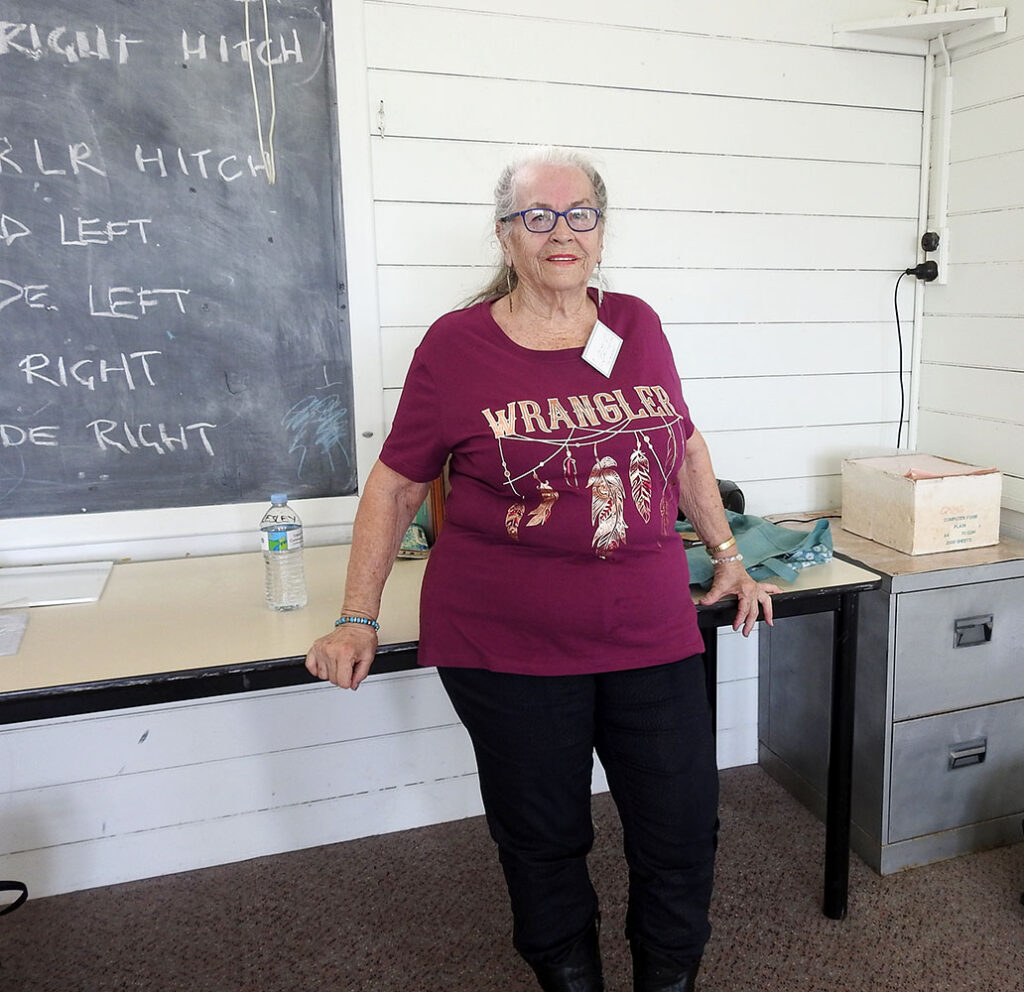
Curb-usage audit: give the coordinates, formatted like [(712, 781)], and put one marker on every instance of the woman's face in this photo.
[(562, 260)]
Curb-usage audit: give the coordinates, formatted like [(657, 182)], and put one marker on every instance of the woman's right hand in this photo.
[(343, 656)]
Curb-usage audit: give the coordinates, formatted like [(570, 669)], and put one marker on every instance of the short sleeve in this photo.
[(415, 446), (675, 385)]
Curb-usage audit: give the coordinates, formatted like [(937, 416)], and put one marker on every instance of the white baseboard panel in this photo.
[(737, 746), (150, 853)]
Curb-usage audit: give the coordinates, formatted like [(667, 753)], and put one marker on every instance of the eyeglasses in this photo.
[(540, 220)]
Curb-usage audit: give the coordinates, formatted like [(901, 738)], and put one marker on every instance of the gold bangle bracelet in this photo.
[(718, 548)]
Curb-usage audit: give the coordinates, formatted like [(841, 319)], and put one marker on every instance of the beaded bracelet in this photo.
[(363, 620), (715, 548), (725, 561)]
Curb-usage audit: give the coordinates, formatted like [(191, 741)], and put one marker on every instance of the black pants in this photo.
[(534, 739)]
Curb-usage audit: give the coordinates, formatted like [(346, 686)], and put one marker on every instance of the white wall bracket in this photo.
[(917, 34)]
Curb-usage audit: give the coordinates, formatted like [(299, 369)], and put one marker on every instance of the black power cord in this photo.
[(926, 272), (899, 341)]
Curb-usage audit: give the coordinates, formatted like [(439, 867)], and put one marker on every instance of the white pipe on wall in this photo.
[(922, 224)]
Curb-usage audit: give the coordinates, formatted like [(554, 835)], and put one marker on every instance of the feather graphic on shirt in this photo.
[(640, 483), (606, 504), (548, 497), (668, 518), (512, 518), (569, 470)]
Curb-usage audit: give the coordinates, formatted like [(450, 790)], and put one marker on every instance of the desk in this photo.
[(186, 629)]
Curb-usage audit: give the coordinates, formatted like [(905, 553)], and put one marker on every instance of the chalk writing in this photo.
[(71, 46), (138, 437), (223, 49), (11, 229), (13, 436), (39, 368), (34, 296), (133, 304), (79, 152), (154, 162), (93, 231)]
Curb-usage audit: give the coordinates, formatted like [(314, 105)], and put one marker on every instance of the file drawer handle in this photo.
[(968, 753), (969, 631)]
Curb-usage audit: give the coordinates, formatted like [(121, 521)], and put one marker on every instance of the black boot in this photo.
[(580, 971), (653, 973)]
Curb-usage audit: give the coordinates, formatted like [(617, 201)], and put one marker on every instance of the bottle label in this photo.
[(281, 540)]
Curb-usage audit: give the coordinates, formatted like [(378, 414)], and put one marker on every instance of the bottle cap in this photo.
[(279, 498)]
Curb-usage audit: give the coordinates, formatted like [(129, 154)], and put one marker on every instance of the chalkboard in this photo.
[(173, 324)]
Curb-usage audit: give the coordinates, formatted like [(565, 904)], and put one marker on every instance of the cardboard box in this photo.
[(921, 504)]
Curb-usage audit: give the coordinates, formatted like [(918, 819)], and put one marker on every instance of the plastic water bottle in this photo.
[(281, 540)]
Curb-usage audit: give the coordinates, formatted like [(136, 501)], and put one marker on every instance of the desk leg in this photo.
[(840, 762), (710, 635)]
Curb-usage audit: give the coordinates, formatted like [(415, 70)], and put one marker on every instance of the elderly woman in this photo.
[(556, 602)]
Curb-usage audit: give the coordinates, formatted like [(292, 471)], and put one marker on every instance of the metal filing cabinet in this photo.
[(939, 731)]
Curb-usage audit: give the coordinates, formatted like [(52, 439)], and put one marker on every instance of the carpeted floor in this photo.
[(424, 910)]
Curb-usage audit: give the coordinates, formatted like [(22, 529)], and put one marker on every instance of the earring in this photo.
[(508, 282)]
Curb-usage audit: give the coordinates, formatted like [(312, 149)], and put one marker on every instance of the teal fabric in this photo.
[(769, 550)]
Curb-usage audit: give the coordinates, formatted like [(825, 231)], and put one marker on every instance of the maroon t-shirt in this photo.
[(558, 554)]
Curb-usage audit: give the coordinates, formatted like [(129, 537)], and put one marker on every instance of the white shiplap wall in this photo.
[(765, 193), (972, 351)]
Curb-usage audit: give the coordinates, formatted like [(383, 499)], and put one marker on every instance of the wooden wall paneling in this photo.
[(982, 342), (435, 234), (462, 234), (752, 296), (736, 746), (792, 401), (971, 359), (660, 239), (168, 797), (709, 350), (794, 452), (397, 347), (737, 704), (991, 236), (735, 659), (712, 350), (807, 494), (145, 854), (991, 75), (424, 106), (791, 21), (979, 442), (416, 296), (429, 170), (991, 290), (985, 129), (128, 742), (988, 394), (589, 54), (992, 182)]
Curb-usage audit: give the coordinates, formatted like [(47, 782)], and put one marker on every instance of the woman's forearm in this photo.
[(699, 498), (387, 505)]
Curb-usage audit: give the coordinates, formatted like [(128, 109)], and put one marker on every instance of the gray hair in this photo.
[(505, 200)]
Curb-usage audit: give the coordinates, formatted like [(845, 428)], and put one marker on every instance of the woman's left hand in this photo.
[(732, 579)]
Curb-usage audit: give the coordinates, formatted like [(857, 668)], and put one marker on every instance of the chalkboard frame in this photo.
[(228, 528)]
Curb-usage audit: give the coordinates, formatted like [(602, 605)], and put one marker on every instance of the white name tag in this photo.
[(602, 348)]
